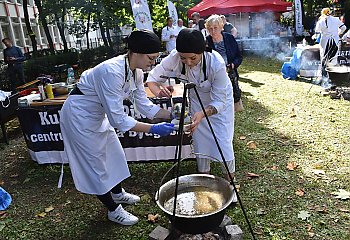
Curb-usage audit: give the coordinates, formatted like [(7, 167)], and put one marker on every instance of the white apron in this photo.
[(94, 152), (216, 91)]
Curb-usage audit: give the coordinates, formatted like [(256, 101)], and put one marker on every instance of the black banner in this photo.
[(344, 55), (41, 128)]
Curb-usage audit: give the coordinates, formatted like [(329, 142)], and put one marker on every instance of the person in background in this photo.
[(195, 18), (190, 23), (168, 35), (329, 27), (92, 112), (225, 44), (228, 27), (179, 27), (14, 58), (207, 71), (201, 26)]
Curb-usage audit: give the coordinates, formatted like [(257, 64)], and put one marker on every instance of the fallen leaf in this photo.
[(311, 234), (260, 211), (300, 192), (14, 175), (26, 180), (303, 215), (292, 115), (237, 187), (308, 227), (152, 218), (252, 175), (146, 198), (49, 209), (318, 172), (242, 137), (322, 210), (342, 194), (66, 203), (292, 166), (344, 210), (3, 214), (2, 182), (274, 168), (43, 214), (251, 144), (12, 154), (301, 180)]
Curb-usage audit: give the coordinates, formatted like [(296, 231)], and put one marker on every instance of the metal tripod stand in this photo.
[(187, 86)]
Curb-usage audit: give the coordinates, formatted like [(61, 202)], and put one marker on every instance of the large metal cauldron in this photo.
[(339, 75), (195, 224)]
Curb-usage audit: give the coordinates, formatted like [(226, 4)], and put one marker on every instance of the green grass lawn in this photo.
[(288, 124)]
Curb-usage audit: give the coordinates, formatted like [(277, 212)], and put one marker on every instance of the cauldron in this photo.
[(197, 223), (339, 75)]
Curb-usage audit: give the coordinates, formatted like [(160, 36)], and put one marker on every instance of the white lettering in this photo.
[(132, 134), (44, 120), (33, 138)]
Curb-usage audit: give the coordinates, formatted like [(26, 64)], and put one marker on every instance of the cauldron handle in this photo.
[(175, 164)]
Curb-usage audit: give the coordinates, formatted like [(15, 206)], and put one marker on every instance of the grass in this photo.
[(287, 122)]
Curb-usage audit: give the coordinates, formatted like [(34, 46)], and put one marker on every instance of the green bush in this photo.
[(91, 57), (46, 64)]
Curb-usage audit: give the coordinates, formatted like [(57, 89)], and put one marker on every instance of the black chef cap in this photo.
[(190, 40), (144, 42)]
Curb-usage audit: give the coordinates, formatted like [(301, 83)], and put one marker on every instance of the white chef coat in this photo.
[(178, 29), (329, 28), (170, 43), (346, 37), (95, 155), (215, 91)]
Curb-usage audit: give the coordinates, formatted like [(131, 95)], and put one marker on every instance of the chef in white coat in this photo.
[(169, 35), (329, 27), (207, 70), (95, 108)]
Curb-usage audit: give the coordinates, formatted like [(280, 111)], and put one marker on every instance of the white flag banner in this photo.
[(173, 12), (142, 16), (298, 18)]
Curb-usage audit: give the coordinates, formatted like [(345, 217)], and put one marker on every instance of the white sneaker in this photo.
[(122, 217), (125, 197)]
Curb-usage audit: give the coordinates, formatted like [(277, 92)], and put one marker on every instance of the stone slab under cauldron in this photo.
[(226, 231)]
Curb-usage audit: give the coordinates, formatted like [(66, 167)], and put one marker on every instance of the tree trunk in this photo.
[(88, 29), (109, 38), (102, 30), (60, 25), (44, 23), (29, 28)]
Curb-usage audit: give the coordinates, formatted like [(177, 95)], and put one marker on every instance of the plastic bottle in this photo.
[(70, 76), (42, 92), (49, 91)]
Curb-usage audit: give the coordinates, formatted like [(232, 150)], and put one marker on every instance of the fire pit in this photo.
[(201, 202)]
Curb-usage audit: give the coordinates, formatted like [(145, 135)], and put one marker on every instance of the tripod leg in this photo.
[(179, 151), (225, 163)]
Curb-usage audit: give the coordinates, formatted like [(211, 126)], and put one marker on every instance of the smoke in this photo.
[(268, 37)]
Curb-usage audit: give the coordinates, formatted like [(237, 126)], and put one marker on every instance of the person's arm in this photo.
[(218, 95), (236, 55), (20, 57), (167, 67), (144, 105)]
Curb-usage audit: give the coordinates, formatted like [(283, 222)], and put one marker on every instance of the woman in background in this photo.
[(225, 44)]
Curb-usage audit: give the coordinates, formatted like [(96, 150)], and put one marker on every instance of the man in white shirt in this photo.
[(179, 27), (168, 35), (195, 17)]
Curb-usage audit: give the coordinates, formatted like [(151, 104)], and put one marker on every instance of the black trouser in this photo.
[(329, 53), (233, 75), (16, 76), (107, 199)]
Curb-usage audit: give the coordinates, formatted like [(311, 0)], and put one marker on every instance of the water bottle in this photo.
[(70, 76)]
